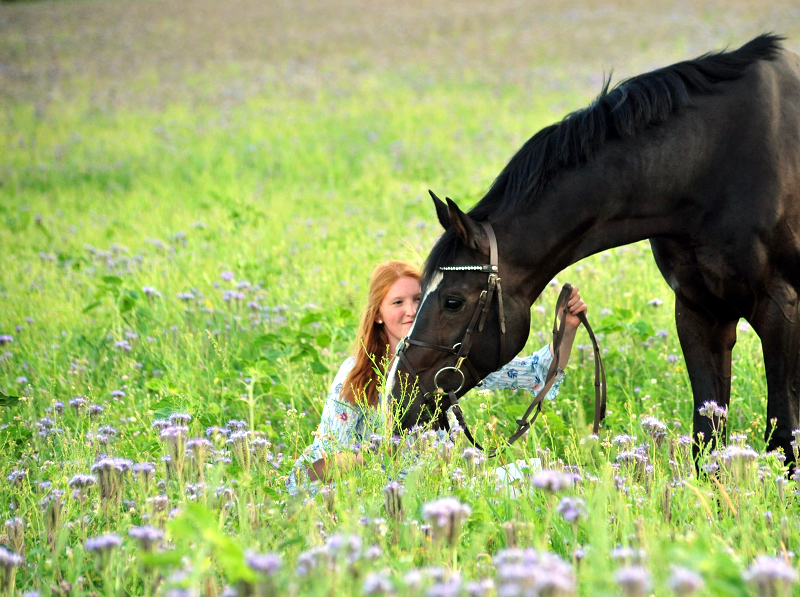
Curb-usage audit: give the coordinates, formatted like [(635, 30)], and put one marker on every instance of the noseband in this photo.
[(441, 399)]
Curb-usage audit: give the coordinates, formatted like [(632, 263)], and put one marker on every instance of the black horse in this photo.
[(702, 158)]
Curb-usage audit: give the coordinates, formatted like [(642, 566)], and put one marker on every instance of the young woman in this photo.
[(350, 414)]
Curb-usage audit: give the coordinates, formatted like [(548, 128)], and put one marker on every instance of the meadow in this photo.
[(192, 197)]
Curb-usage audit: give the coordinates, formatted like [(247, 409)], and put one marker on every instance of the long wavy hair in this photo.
[(372, 342)]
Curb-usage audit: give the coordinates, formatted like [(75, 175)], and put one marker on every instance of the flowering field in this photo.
[(186, 234)]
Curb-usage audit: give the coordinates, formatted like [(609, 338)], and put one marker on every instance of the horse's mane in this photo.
[(621, 112)]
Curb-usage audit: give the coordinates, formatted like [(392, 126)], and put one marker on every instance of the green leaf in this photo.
[(16, 433), (279, 390), (323, 340), (643, 329), (311, 318), (296, 540), (609, 326), (515, 410), (272, 493), (198, 524), (268, 340), (555, 422), (155, 384), (112, 280), (8, 401), (91, 306), (273, 354), (164, 558), (317, 367), (126, 302)]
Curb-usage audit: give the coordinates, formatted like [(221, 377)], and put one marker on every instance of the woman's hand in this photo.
[(575, 306)]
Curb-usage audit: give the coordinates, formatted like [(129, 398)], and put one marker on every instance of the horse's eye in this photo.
[(453, 304)]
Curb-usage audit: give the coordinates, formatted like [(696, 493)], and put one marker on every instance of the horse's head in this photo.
[(459, 335)]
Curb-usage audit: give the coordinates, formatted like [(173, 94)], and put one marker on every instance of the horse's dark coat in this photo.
[(703, 159)]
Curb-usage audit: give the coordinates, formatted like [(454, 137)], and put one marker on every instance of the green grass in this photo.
[(300, 190)]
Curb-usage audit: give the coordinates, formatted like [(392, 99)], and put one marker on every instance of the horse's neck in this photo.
[(604, 204)]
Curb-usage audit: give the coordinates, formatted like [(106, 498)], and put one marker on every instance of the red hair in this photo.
[(371, 344)]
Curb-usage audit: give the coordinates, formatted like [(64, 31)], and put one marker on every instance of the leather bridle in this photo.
[(442, 399)]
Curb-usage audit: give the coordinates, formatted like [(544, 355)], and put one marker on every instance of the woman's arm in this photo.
[(345, 461), (340, 427)]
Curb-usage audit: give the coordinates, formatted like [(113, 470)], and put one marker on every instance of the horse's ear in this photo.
[(468, 230), (441, 210)]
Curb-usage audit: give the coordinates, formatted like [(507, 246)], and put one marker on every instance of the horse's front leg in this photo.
[(707, 343), (776, 319)]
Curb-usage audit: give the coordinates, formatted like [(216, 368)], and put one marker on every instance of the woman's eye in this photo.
[(453, 304)]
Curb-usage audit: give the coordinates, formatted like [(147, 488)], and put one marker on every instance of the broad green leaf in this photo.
[(91, 306), (8, 401), (318, 367), (310, 318)]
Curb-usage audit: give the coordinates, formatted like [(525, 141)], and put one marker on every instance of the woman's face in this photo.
[(398, 309)]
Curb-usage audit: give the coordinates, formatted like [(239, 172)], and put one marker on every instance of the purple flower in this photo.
[(22, 379), (711, 409), (267, 563), (180, 418), (529, 572), (77, 403), (672, 358), (772, 576), (103, 542), (148, 537), (9, 559), (634, 581), (571, 509), (472, 458), (662, 333), (628, 554), (6, 339), (16, 476), (446, 588), (552, 481), (377, 583), (123, 345), (82, 482), (227, 276), (150, 292), (653, 427), (684, 581), (446, 515), (392, 499), (110, 473), (229, 295), (117, 393)]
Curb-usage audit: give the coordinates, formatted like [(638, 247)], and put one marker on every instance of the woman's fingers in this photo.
[(575, 304)]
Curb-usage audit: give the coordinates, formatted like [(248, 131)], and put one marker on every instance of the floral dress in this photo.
[(344, 426)]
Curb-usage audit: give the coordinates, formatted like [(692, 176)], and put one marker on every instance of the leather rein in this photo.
[(441, 400)]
